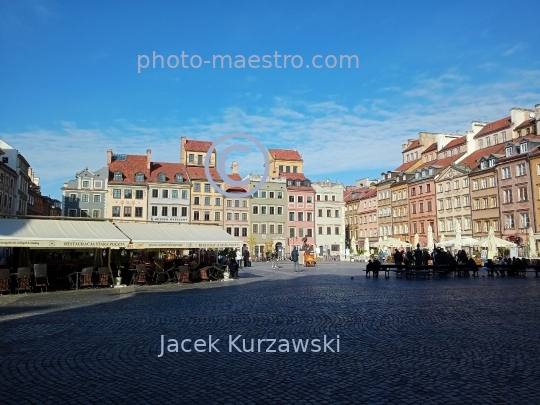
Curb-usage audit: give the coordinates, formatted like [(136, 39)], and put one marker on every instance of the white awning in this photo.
[(55, 233), (177, 236)]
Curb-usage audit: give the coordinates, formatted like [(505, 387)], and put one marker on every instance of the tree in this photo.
[(269, 247), (251, 242)]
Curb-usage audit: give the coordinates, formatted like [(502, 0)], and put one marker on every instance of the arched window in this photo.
[(118, 176), (179, 178), (139, 178), (162, 177)]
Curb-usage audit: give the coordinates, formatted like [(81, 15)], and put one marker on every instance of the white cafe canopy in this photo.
[(55, 233), (177, 236)]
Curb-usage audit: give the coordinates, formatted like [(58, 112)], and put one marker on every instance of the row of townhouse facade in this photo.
[(487, 178), (281, 215), (20, 192)]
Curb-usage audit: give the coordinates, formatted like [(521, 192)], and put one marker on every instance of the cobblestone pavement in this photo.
[(441, 341)]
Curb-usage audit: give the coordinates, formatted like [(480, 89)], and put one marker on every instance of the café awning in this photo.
[(55, 233), (177, 236)]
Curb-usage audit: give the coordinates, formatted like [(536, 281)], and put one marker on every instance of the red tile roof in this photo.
[(494, 126), (132, 165), (369, 194), (198, 173), (473, 160), (405, 166), (170, 170), (285, 154), (456, 142), (525, 124), (197, 146), (292, 176), (231, 188), (414, 144), (431, 147), (358, 193), (442, 163)]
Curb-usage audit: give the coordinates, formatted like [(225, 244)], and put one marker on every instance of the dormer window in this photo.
[(404, 177), (491, 162), (430, 171), (445, 154), (528, 131), (139, 178), (289, 182), (162, 177), (417, 175), (179, 178), (298, 183), (423, 173), (118, 176), (483, 164), (508, 151), (523, 147)]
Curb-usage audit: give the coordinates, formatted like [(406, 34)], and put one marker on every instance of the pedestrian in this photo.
[(294, 257), (274, 259), (233, 268), (239, 258), (246, 257), (418, 255)]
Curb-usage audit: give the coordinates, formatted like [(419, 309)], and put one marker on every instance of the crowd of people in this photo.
[(498, 266)]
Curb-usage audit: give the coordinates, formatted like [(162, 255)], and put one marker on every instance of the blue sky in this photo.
[(70, 90)]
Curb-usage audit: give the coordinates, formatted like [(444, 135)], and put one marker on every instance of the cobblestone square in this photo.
[(439, 341)]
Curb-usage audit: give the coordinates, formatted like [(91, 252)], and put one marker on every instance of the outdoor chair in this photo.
[(103, 277), (5, 284), (182, 274), (159, 272), (23, 279), (40, 276), (85, 279), (140, 274)]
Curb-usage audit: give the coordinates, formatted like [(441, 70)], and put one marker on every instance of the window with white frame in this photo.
[(509, 151), (523, 147), (441, 225), (475, 185), (525, 221), (505, 171), (522, 192), (509, 221), (520, 169), (507, 196), (97, 198), (492, 181)]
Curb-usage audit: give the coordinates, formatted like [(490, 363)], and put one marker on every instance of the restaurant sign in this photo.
[(169, 219), (60, 243)]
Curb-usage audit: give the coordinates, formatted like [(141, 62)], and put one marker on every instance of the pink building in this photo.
[(300, 210)]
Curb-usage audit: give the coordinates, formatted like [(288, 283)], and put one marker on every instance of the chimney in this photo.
[(148, 153), (234, 167), (182, 148), (109, 156)]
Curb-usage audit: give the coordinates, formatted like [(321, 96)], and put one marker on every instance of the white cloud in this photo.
[(516, 48)]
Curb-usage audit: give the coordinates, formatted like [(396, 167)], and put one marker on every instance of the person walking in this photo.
[(294, 257), (239, 258), (274, 259), (246, 257)]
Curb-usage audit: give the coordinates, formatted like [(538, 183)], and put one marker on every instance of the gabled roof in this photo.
[(132, 165), (440, 163), (525, 124), (494, 126), (473, 160), (231, 188), (197, 146), (285, 154), (170, 170), (406, 166), (293, 176), (414, 144), (198, 173), (455, 142), (431, 147)]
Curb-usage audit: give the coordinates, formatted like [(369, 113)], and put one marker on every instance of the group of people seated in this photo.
[(458, 263)]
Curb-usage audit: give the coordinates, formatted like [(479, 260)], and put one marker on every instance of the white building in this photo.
[(329, 218)]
